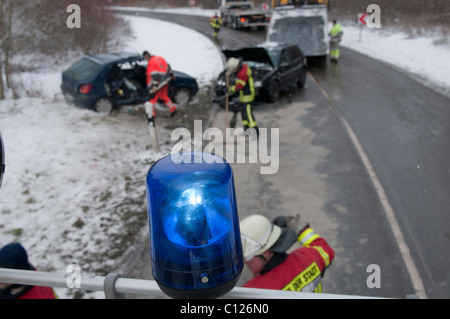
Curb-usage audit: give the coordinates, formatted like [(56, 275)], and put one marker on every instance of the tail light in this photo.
[(85, 88)]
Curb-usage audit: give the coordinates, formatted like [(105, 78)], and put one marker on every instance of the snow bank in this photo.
[(419, 55)]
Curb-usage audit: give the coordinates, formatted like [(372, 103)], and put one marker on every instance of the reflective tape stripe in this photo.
[(324, 255), (307, 237), (251, 121), (309, 280), (315, 286)]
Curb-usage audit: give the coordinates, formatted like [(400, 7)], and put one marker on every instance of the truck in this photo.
[(243, 14), (301, 22)]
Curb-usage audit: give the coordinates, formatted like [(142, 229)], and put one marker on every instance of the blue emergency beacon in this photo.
[(195, 242)]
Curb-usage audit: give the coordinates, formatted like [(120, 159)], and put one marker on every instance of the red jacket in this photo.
[(244, 84), (303, 268), (157, 70), (38, 292)]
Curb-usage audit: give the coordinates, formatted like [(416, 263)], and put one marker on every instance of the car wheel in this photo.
[(302, 79), (103, 105), (274, 92), (182, 97)]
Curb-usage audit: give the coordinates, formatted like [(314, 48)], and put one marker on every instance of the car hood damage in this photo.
[(254, 54)]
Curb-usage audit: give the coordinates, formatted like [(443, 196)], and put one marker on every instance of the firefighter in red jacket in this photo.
[(265, 245), (14, 256), (158, 72), (245, 87)]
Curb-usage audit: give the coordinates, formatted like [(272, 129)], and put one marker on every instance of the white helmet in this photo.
[(258, 234), (232, 63)]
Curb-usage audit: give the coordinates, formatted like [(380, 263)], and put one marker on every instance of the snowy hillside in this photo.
[(74, 188)]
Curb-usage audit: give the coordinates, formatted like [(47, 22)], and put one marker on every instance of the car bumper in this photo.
[(75, 98)]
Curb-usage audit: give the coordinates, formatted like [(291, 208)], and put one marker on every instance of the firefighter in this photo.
[(245, 87), (265, 245), (215, 23), (336, 33), (159, 73)]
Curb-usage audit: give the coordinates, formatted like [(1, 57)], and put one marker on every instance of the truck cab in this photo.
[(243, 14)]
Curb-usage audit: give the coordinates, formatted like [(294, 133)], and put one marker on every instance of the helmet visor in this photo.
[(252, 247)]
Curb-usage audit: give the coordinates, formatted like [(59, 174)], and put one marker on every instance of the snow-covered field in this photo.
[(421, 56), (74, 188)]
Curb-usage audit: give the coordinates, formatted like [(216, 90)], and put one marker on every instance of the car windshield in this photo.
[(274, 56), (83, 69), (258, 65)]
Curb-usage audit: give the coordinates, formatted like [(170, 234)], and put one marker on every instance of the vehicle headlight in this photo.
[(258, 84)]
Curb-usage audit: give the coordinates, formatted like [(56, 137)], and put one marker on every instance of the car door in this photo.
[(285, 73), (296, 63)]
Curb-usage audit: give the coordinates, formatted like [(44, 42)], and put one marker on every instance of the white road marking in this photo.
[(388, 210)]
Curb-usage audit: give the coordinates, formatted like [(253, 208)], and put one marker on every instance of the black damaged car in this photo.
[(275, 68), (104, 81)]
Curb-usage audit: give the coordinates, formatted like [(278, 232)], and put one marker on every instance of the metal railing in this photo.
[(116, 287)]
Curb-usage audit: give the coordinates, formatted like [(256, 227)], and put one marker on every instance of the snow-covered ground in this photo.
[(421, 56), (75, 180)]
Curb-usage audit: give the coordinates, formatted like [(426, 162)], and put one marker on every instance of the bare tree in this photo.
[(40, 26)]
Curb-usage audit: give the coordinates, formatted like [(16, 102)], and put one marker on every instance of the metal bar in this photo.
[(118, 286)]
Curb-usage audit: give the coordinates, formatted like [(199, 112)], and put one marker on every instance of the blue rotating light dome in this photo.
[(195, 241)]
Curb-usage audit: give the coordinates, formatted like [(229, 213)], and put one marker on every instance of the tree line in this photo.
[(40, 27)]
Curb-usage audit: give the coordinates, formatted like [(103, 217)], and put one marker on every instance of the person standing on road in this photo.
[(245, 87), (336, 33), (265, 245), (215, 23), (159, 73)]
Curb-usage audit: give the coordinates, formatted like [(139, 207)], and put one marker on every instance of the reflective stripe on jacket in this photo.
[(336, 32), (244, 84), (215, 22), (157, 70), (302, 270)]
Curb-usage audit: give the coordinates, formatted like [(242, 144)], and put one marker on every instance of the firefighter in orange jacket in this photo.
[(265, 245), (245, 87), (158, 72)]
